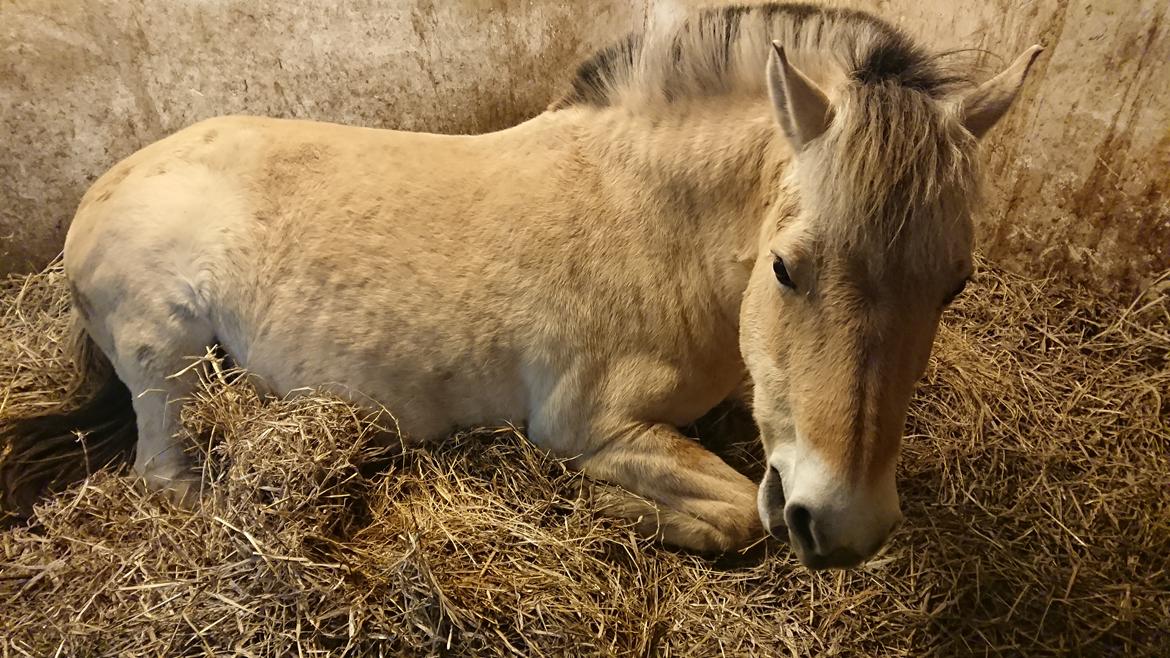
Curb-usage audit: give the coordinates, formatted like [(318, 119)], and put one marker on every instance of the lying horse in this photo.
[(778, 188)]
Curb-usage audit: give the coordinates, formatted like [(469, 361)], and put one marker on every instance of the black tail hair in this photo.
[(94, 426)]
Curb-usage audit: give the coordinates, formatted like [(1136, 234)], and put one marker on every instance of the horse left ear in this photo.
[(986, 104), (803, 110)]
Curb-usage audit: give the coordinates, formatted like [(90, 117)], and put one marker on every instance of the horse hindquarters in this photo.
[(134, 257)]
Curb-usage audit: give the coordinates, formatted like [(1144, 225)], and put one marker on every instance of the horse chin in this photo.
[(839, 559)]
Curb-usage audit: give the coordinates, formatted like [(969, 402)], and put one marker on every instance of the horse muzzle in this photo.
[(829, 531)]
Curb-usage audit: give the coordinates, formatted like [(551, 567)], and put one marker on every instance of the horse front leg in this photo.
[(689, 496)]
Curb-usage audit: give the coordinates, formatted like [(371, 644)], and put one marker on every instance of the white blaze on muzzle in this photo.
[(830, 521)]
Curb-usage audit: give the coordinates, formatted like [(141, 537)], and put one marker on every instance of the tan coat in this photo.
[(601, 273)]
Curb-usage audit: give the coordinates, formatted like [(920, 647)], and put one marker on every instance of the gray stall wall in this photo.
[(1079, 175)]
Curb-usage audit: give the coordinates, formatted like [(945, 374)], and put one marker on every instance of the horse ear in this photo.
[(803, 110), (986, 104)]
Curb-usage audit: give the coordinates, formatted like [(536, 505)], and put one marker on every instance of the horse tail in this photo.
[(92, 427)]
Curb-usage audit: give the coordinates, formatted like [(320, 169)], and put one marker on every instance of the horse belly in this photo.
[(431, 386)]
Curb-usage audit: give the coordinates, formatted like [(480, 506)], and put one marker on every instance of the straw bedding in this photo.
[(1035, 479)]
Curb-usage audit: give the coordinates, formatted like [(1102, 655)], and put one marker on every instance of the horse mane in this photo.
[(898, 151), (724, 50)]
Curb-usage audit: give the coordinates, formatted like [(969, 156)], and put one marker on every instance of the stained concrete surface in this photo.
[(1079, 172)]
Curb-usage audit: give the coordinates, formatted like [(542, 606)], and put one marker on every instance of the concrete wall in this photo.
[(1080, 171)]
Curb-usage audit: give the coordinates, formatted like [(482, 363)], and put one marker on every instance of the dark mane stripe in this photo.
[(589, 85), (872, 51)]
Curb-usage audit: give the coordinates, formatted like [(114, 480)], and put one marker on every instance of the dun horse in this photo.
[(778, 188)]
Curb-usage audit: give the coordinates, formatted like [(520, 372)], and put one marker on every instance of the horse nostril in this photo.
[(800, 524)]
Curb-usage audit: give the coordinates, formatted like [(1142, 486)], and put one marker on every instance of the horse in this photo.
[(775, 192)]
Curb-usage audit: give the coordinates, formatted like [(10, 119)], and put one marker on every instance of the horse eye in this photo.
[(957, 291), (782, 273)]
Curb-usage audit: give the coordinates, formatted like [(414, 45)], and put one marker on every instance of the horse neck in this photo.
[(706, 172)]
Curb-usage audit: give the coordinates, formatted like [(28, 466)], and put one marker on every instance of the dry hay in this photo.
[(1035, 479)]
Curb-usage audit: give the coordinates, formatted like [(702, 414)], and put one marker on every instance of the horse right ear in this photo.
[(803, 110), (985, 105)]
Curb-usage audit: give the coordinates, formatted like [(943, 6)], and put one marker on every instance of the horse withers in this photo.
[(777, 189)]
